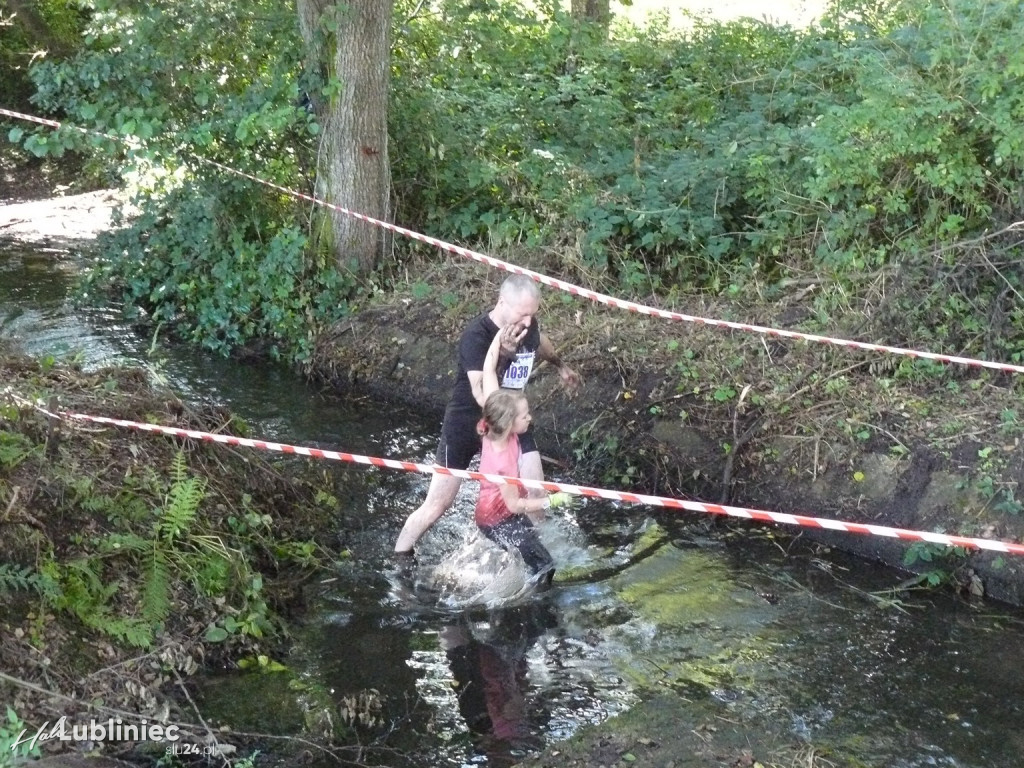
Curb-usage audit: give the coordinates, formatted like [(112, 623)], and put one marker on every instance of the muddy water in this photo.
[(802, 646)]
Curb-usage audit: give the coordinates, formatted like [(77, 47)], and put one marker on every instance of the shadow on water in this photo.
[(797, 643)]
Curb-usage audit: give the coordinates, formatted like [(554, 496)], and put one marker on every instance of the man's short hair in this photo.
[(517, 285)]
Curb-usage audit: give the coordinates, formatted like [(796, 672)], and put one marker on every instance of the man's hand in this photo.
[(570, 379), (511, 336)]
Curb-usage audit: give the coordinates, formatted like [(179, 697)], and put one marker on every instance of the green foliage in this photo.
[(992, 464), (14, 746), (14, 578), (52, 32), (15, 448), (82, 591), (158, 556), (187, 264), (182, 502), (938, 564), (901, 159), (219, 258), (739, 149), (597, 453), (641, 142), (156, 590), (877, 139)]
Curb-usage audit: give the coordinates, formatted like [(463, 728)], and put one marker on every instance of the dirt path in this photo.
[(68, 220)]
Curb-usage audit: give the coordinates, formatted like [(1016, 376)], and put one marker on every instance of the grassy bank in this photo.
[(129, 561)]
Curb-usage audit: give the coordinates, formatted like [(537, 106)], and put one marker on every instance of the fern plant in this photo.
[(181, 504), (24, 579), (152, 551), (14, 449), (82, 592), (156, 593), (79, 586), (171, 546), (86, 496)]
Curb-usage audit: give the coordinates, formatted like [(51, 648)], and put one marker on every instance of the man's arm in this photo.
[(476, 383), (546, 352)]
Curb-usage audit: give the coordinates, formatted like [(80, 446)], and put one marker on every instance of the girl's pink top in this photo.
[(490, 507)]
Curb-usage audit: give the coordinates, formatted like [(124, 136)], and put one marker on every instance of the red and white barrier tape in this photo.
[(575, 289), (1007, 547)]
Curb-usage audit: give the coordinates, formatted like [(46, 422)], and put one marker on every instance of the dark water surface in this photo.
[(810, 646)]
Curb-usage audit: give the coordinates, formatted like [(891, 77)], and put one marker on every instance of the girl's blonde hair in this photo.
[(500, 411)]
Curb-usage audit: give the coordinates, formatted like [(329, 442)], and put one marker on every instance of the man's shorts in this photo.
[(460, 443)]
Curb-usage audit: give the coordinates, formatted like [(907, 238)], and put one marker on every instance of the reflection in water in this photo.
[(490, 669), (35, 313)]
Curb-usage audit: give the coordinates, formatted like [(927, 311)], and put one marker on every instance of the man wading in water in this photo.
[(504, 513), (522, 344)]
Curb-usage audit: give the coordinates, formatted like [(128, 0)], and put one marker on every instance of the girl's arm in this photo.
[(533, 507), (490, 381)]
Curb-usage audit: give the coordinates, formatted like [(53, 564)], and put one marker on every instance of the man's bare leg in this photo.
[(440, 496)]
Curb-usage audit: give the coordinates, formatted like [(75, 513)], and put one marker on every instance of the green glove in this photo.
[(559, 499)]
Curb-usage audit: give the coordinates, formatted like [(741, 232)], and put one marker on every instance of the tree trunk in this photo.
[(597, 11), (27, 18), (353, 169)]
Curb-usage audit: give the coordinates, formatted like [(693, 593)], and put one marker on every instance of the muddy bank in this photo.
[(129, 562), (722, 417)]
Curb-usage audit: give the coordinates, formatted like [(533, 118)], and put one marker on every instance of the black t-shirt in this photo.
[(473, 346)]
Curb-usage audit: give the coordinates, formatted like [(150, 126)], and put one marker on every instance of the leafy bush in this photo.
[(52, 32), (912, 150), (867, 141), (220, 257), (879, 138), (223, 272), (636, 143)]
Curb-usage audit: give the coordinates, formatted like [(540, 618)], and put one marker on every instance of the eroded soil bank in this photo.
[(130, 562), (698, 413), (723, 416)]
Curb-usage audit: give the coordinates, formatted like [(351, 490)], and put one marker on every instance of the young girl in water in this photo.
[(506, 513)]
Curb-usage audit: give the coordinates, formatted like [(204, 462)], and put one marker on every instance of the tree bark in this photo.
[(353, 170), (27, 18), (597, 11)]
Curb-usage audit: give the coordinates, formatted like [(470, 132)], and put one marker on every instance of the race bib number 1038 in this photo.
[(518, 372)]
